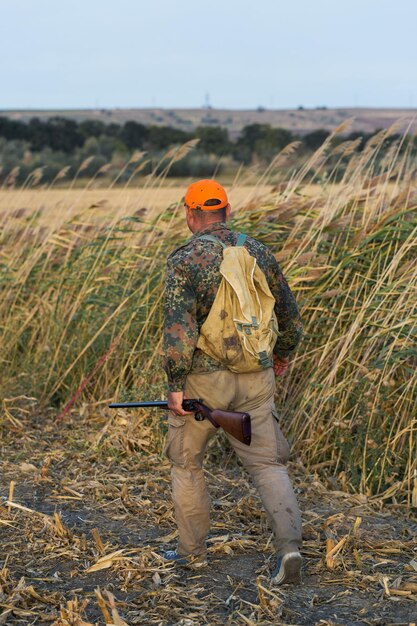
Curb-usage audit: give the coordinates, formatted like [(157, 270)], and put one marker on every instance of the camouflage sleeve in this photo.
[(289, 321), (180, 327)]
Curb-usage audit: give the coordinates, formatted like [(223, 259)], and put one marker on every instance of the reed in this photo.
[(81, 313)]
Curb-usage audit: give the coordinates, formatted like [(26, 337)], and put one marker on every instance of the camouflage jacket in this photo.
[(192, 280)]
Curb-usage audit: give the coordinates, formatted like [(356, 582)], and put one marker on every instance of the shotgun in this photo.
[(235, 424)]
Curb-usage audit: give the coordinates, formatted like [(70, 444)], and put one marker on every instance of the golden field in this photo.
[(57, 206)]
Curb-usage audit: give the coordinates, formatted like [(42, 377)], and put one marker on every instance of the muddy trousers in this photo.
[(264, 459)]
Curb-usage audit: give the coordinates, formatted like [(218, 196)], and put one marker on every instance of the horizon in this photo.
[(299, 121), (211, 108)]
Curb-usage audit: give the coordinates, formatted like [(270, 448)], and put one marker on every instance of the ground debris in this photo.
[(81, 545)]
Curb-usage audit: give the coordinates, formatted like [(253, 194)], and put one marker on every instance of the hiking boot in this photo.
[(193, 561), (287, 569)]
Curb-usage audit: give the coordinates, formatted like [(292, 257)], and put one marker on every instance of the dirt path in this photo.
[(53, 560)]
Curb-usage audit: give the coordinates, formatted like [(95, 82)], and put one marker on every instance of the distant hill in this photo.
[(299, 121)]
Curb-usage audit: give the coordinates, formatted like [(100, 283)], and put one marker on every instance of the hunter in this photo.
[(192, 282)]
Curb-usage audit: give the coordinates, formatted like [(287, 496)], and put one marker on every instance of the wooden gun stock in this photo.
[(236, 424)]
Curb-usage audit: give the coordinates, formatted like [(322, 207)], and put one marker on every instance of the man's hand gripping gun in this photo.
[(236, 424)]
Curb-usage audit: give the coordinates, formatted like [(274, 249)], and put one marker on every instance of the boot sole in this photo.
[(290, 570)]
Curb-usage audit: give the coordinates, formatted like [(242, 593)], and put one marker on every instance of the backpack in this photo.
[(241, 328)]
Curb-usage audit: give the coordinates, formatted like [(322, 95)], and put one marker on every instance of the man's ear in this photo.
[(190, 218), (228, 211)]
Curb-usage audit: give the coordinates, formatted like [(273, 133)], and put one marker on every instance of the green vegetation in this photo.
[(60, 147)]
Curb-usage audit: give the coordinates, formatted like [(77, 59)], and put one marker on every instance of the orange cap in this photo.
[(203, 195)]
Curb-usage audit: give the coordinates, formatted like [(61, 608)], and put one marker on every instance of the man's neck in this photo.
[(204, 228)]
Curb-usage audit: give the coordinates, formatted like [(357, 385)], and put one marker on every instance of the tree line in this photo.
[(60, 142)]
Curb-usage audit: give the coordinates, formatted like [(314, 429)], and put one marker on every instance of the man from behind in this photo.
[(192, 282)]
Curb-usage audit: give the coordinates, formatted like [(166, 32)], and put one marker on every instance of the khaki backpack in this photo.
[(241, 328)]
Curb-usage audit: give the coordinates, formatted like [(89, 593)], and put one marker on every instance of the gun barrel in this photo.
[(161, 404)]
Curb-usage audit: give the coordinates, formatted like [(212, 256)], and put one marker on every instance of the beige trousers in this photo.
[(264, 459)]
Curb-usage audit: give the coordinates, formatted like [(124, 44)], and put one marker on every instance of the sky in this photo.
[(241, 54)]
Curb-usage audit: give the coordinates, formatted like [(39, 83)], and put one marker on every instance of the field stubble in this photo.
[(81, 323)]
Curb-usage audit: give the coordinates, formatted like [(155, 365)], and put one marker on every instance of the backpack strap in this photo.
[(241, 239)]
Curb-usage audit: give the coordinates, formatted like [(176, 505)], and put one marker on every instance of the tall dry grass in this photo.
[(81, 314)]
